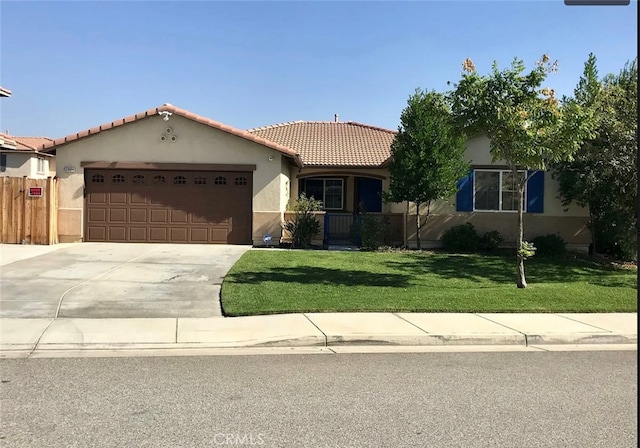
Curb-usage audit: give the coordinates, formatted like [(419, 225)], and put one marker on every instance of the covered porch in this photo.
[(346, 196)]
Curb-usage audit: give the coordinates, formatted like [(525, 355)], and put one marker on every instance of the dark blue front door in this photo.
[(369, 194)]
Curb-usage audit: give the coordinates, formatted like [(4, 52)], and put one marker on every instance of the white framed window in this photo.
[(329, 191), (496, 190), (41, 165)]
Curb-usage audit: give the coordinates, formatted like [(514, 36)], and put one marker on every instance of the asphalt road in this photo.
[(541, 399)]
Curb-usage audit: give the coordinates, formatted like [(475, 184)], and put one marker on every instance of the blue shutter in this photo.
[(535, 193), (464, 198)]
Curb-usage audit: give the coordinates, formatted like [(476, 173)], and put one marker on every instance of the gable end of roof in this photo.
[(54, 144)]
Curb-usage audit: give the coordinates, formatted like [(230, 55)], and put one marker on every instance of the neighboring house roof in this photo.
[(7, 142), (5, 92), (22, 144), (51, 146), (31, 143), (329, 143)]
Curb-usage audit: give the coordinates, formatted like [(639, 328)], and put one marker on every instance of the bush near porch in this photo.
[(281, 281)]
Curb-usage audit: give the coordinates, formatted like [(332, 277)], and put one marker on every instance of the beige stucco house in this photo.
[(19, 157), (346, 166), (168, 175)]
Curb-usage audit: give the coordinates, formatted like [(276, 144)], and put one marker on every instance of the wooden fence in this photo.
[(28, 210)]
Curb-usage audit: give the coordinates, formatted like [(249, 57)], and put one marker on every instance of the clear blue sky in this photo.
[(75, 65)]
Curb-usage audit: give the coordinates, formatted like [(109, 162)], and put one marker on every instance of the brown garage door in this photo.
[(168, 206)]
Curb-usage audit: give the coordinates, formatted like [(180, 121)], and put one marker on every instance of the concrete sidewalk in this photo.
[(28, 336)]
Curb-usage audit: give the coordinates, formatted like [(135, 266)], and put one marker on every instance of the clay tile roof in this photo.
[(22, 143), (31, 143), (52, 145), (328, 143), (7, 141), (5, 92)]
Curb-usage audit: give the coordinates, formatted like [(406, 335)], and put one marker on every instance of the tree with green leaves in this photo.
[(603, 174), (426, 154), (528, 127)]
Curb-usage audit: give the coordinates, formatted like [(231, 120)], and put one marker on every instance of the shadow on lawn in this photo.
[(503, 270), (321, 276)]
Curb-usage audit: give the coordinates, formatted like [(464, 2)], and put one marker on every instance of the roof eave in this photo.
[(333, 165)]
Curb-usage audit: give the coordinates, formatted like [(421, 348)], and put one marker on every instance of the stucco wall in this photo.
[(23, 164), (140, 141), (569, 222), (52, 166), (573, 229), (552, 205)]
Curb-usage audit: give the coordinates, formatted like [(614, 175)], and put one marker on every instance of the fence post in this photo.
[(48, 210), (22, 227)]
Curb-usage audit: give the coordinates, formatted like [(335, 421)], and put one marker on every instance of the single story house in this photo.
[(19, 156), (168, 175), (346, 166)]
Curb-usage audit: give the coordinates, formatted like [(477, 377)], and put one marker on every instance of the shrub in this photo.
[(461, 238), (371, 233), (305, 226), (368, 231), (491, 241), (550, 245)]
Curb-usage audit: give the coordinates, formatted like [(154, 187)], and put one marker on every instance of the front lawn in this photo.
[(275, 281)]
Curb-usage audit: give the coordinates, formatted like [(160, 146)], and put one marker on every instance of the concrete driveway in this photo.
[(89, 280)]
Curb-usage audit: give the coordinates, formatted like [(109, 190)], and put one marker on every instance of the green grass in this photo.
[(267, 282)]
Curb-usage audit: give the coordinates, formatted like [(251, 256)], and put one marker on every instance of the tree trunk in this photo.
[(522, 281), (593, 235), (592, 228), (418, 226), (426, 216)]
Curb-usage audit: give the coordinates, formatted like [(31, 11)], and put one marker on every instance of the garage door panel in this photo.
[(179, 234), (219, 234), (199, 218), (138, 198), (117, 233), (178, 217), (97, 198), (168, 206), (97, 215), (117, 215), (157, 195), (138, 215), (199, 235), (117, 198), (158, 216), (138, 234), (158, 234), (97, 233)]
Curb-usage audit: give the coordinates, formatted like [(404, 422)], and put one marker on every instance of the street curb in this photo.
[(427, 340), (581, 338)]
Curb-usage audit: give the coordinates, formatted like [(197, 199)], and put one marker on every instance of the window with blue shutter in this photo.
[(464, 197), (535, 193)]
